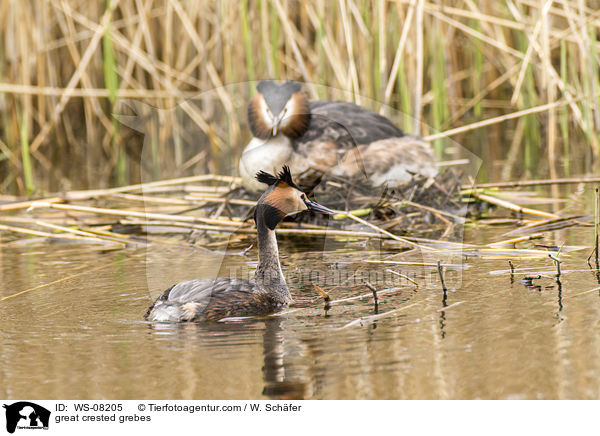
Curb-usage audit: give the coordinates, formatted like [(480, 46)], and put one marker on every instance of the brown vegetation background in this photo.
[(184, 71)]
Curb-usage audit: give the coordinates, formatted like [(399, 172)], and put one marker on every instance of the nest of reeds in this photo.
[(409, 207), (419, 205)]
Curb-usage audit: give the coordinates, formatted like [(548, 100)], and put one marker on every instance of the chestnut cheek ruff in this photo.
[(258, 125)]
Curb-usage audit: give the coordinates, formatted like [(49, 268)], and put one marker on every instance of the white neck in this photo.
[(266, 155)]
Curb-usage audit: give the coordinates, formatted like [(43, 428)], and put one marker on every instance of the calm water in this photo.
[(80, 334)]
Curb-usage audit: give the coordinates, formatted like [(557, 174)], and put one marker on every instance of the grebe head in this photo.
[(278, 108), (282, 198)]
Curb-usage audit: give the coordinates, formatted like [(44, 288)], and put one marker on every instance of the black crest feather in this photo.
[(285, 176), (264, 177)]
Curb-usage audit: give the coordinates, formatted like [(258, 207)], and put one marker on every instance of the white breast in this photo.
[(269, 156)]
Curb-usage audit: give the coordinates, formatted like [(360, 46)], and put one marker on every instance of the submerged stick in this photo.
[(324, 294), (341, 300), (374, 291), (557, 262), (361, 296), (326, 297), (597, 221), (440, 269)]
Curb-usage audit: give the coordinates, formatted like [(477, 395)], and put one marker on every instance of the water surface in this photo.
[(76, 328)]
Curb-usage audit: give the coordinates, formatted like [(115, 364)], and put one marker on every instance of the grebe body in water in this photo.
[(267, 292)]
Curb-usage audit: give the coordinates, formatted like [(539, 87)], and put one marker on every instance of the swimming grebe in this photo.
[(222, 297), (327, 137)]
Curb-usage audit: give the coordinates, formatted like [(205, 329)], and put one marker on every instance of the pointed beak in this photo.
[(276, 123), (313, 205)]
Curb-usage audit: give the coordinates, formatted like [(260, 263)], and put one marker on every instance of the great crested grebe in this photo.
[(327, 137), (222, 297)]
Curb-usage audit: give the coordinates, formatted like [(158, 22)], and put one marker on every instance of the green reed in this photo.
[(25, 155)]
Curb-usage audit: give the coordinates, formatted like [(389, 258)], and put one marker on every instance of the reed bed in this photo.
[(517, 72), (212, 212)]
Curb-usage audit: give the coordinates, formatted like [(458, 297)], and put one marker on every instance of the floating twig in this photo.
[(369, 319), (514, 241), (404, 277), (511, 206), (582, 293), (544, 226), (400, 262)]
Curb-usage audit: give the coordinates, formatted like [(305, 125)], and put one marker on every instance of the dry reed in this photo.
[(66, 67)]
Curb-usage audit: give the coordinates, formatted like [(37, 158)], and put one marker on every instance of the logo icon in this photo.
[(26, 415)]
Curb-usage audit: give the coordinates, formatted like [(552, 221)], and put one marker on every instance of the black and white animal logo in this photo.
[(26, 415)]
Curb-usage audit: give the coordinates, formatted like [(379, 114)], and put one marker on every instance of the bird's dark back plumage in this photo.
[(211, 300), (332, 120)]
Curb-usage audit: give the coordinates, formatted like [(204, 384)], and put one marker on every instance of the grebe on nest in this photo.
[(322, 137), (222, 297)]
